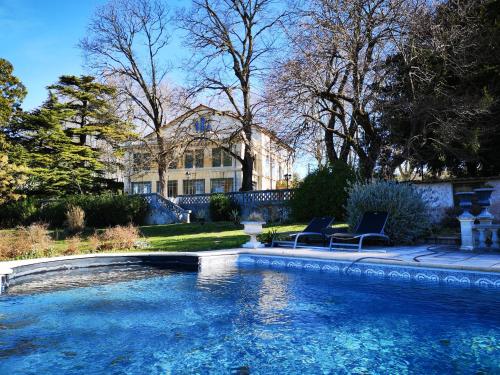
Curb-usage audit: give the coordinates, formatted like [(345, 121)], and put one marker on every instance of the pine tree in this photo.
[(58, 165), (13, 175), (89, 112)]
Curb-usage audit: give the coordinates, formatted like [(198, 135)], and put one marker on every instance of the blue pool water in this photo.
[(247, 321)]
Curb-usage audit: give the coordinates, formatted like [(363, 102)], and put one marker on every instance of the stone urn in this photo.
[(484, 200), (465, 201), (253, 229)]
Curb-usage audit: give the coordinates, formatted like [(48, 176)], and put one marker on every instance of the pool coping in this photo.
[(10, 270)]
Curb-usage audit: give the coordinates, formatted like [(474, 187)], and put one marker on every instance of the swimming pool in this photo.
[(245, 320)]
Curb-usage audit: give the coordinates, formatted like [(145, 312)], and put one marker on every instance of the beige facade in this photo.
[(205, 168)]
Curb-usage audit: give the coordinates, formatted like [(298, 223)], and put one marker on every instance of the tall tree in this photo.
[(89, 107), (443, 93), (91, 118), (13, 175), (127, 44), (332, 78), (231, 40), (58, 164)]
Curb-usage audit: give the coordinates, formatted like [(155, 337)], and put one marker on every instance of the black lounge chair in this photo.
[(319, 227), (371, 225)]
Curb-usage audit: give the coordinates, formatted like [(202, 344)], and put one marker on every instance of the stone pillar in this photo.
[(494, 237), (466, 224)]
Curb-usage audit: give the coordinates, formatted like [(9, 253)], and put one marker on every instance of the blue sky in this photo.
[(40, 37)]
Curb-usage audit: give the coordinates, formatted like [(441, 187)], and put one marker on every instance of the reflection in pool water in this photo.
[(149, 321)]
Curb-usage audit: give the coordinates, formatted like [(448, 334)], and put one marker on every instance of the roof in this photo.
[(202, 107)]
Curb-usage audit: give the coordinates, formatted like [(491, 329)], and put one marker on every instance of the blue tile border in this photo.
[(432, 276)]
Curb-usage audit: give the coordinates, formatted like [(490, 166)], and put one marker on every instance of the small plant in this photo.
[(75, 219), (119, 237), (73, 245), (255, 216), (94, 243), (235, 216), (27, 242), (201, 215), (268, 237)]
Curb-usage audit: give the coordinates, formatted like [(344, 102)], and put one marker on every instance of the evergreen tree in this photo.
[(89, 112), (443, 97), (67, 141), (58, 165), (12, 174)]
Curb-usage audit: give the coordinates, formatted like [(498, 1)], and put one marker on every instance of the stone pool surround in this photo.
[(421, 264)]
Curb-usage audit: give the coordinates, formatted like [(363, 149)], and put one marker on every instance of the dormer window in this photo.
[(202, 125)]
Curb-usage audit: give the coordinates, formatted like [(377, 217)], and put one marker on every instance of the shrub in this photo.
[(119, 237), (221, 207), (322, 193), (94, 243), (26, 242), (75, 219), (21, 212), (73, 245), (100, 210), (408, 212)]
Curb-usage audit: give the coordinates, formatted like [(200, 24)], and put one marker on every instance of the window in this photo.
[(193, 158), (221, 158), (221, 185), (202, 125), (171, 188), (193, 187), (188, 160), (141, 187)]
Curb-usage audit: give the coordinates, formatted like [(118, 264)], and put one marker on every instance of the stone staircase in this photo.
[(164, 211)]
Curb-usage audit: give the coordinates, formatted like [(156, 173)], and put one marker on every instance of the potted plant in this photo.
[(253, 227)]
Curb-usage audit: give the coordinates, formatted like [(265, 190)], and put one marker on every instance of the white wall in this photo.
[(439, 196)]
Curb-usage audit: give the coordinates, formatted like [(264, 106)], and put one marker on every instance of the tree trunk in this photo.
[(162, 166), (331, 155), (247, 170)]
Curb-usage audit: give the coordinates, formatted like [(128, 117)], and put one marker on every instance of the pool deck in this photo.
[(427, 256)]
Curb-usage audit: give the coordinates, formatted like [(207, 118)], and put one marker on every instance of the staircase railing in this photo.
[(180, 213)]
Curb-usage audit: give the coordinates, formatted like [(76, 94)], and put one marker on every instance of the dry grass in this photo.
[(73, 245), (75, 219), (120, 237), (26, 242), (94, 243)]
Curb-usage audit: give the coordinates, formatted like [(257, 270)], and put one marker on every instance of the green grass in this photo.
[(181, 237), (208, 236)]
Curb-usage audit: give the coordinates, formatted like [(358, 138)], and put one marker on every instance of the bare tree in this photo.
[(231, 40), (126, 44), (335, 72)]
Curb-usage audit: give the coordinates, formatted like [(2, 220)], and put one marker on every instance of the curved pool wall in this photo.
[(214, 262)]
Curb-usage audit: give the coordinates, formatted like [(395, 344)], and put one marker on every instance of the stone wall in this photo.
[(440, 194)]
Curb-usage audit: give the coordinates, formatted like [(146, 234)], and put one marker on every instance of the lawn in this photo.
[(208, 236), (171, 237)]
